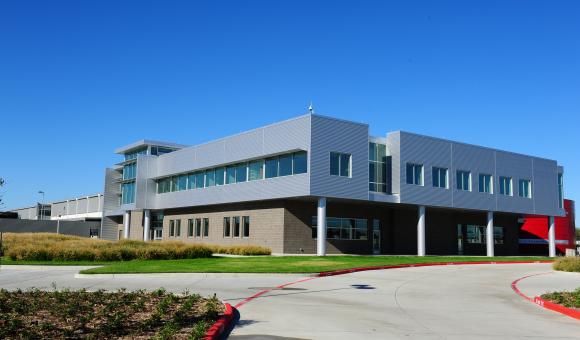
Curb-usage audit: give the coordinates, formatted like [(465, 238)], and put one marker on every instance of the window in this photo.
[(246, 226), (174, 183), (164, 185), (210, 178), (340, 164), (377, 167), (198, 227), (486, 183), (227, 227), (219, 176), (171, 228), (231, 174), (205, 227), (560, 191), (178, 228), (190, 227), (525, 188), (128, 193), (440, 178), (343, 228), (241, 173), (463, 180), (191, 181), (477, 234), (285, 165), (272, 167), (256, 170), (505, 186), (299, 162), (199, 179), (133, 154), (236, 226), (181, 182), (414, 174), (130, 171)]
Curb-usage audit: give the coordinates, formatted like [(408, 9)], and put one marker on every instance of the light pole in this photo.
[(41, 204)]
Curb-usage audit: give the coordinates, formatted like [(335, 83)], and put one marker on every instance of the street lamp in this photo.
[(41, 204)]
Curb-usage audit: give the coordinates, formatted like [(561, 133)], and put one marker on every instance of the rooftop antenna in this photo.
[(310, 108)]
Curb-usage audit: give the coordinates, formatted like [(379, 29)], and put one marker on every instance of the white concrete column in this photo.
[(126, 224), (489, 234), (421, 231), (552, 237), (321, 227), (146, 224)]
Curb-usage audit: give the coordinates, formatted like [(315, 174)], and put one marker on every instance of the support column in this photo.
[(489, 235), (552, 237), (321, 227), (126, 224), (421, 232), (146, 224)]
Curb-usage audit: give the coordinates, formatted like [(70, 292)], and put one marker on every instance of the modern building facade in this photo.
[(84, 208), (316, 184)]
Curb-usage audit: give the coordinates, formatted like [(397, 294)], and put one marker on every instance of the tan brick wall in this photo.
[(136, 229), (266, 225)]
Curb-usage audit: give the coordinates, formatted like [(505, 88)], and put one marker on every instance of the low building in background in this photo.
[(83, 208), (316, 184)]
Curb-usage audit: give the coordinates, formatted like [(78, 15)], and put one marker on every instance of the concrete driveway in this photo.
[(443, 302)]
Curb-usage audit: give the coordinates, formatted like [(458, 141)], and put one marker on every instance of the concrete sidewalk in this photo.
[(551, 281)]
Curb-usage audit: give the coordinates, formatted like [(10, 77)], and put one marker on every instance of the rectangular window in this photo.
[(340, 164), (174, 183), (343, 228), (171, 228), (256, 170), (227, 227), (164, 185), (299, 162), (525, 188), (130, 171), (560, 191), (440, 178), (246, 226), (219, 176), (199, 179), (414, 174), (128, 193), (505, 186), (231, 174), (210, 178), (181, 182), (285, 165), (191, 181), (190, 227), (272, 167), (477, 234), (241, 173), (486, 183), (178, 228), (463, 180), (205, 227), (236, 226), (198, 227), (377, 167)]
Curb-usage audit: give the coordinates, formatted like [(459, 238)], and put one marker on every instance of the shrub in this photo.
[(567, 264)]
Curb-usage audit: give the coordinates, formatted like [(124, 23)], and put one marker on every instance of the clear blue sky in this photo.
[(80, 78)]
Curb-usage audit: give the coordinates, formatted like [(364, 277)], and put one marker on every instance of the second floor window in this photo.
[(505, 186), (463, 180), (485, 183), (525, 188), (440, 177), (414, 174), (340, 164)]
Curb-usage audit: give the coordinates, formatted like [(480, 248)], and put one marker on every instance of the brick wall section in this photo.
[(136, 229), (266, 224)]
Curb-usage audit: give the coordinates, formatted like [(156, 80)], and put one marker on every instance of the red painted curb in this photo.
[(573, 313), (218, 328), (360, 269)]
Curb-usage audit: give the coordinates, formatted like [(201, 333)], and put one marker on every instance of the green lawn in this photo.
[(278, 264)]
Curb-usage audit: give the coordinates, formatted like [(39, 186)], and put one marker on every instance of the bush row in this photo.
[(53, 247), (567, 264)]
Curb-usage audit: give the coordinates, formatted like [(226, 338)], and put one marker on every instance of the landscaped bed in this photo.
[(566, 299), (36, 314), (567, 264)]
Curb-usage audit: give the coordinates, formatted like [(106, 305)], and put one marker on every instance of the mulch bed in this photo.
[(566, 299), (34, 314)]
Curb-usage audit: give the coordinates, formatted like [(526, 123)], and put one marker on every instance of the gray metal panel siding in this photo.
[(94, 203), (109, 229), (478, 160), (111, 190), (278, 138), (58, 209), (394, 148), (330, 135), (82, 204)]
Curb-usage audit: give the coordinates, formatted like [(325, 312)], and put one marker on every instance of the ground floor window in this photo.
[(246, 226), (339, 228), (227, 227), (171, 228), (205, 227), (476, 234), (190, 227), (158, 234), (198, 227), (236, 226)]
